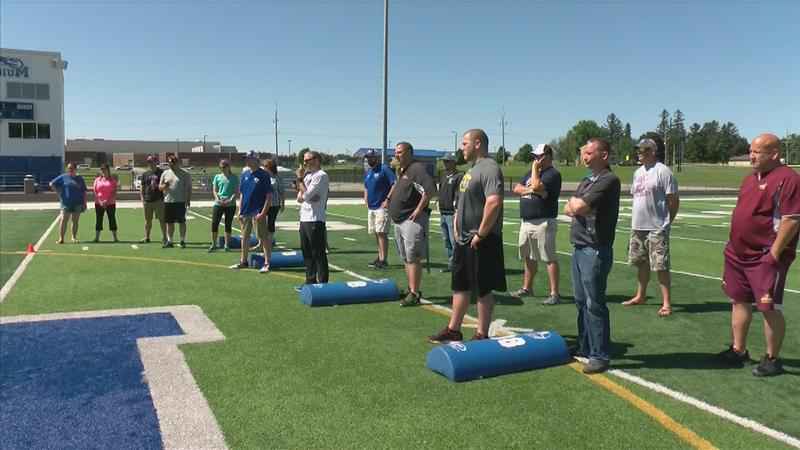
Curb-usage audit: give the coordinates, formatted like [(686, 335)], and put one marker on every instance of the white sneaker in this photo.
[(264, 269)]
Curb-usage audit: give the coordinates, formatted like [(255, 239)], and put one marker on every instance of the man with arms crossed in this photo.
[(176, 184), (378, 182), (256, 198), (312, 194), (478, 264), (594, 210), (448, 192), (538, 208), (408, 208), (760, 249)]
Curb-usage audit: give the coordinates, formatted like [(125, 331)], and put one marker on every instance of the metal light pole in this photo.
[(290, 148), (275, 121), (455, 141), (385, 77)]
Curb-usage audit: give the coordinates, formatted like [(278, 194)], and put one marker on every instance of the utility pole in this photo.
[(204, 143), (275, 121), (455, 141), (385, 78), (503, 124), (290, 148)]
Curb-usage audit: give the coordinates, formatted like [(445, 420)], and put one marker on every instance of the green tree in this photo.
[(695, 145), (501, 156), (524, 154), (663, 130), (460, 157), (615, 133), (625, 148), (577, 137), (677, 136)]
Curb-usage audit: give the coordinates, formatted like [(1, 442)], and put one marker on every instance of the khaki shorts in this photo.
[(154, 208), (377, 221), (649, 246), (262, 229), (537, 239)]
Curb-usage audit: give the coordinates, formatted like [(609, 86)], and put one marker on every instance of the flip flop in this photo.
[(664, 311), (633, 303)]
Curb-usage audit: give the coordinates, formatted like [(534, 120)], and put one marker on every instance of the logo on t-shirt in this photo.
[(465, 182)]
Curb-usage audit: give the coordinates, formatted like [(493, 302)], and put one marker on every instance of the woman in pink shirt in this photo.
[(105, 201)]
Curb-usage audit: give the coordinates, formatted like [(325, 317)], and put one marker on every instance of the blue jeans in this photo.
[(448, 237), (590, 268)]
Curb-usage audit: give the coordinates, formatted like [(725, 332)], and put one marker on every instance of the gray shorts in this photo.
[(411, 238)]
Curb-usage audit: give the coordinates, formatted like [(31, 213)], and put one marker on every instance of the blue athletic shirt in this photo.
[(378, 181), (254, 186), (70, 189)]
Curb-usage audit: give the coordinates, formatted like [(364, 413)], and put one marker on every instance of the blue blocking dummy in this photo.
[(236, 242), (329, 294), (278, 260), (464, 361)]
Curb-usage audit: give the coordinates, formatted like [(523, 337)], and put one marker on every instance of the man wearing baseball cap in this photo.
[(256, 198), (655, 204), (378, 182), (448, 197), (539, 190), (152, 199)]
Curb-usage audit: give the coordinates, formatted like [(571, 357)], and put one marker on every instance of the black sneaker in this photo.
[(239, 265), (768, 367), (595, 366), (733, 358), (183, 244), (445, 336), (167, 244), (374, 263), (381, 265)]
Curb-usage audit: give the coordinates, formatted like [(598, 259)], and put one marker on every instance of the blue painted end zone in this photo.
[(345, 293), (464, 361), (78, 383)]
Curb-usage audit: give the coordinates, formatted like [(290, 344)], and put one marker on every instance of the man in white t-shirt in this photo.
[(312, 195), (655, 204)]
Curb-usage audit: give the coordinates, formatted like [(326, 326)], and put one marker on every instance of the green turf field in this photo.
[(17, 230), (290, 376)]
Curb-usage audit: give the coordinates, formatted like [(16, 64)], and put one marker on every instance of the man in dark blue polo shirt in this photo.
[(378, 182), (538, 208), (448, 197), (256, 199)]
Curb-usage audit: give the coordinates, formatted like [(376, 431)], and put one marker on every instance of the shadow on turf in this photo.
[(686, 360)]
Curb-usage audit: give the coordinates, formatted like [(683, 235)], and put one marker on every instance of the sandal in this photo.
[(633, 302), (665, 311)]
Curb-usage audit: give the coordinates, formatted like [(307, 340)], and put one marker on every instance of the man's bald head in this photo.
[(767, 141), (765, 152)]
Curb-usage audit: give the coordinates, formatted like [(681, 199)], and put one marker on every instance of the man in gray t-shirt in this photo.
[(655, 204), (478, 264)]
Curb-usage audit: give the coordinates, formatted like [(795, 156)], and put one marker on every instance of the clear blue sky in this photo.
[(180, 69)]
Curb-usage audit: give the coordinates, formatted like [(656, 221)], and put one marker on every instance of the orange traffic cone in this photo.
[(30, 249)]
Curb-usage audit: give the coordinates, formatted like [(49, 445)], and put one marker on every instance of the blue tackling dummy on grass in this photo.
[(278, 259), (329, 294), (464, 361), (78, 383)]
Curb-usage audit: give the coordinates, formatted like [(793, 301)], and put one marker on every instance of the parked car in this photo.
[(83, 166), (125, 167)]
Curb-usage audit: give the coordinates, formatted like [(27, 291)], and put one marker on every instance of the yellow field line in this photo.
[(648, 408), (146, 259)]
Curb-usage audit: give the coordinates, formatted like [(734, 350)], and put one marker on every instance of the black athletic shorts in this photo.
[(481, 270), (175, 212)]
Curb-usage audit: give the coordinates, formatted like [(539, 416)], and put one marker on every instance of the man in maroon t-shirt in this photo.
[(760, 250)]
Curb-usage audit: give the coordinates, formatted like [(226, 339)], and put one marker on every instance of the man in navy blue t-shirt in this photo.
[(256, 199), (378, 183)]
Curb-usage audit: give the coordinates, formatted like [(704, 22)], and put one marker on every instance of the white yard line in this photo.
[(684, 398), (24, 264)]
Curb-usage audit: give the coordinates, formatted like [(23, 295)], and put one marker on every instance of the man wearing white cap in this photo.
[(539, 190), (655, 204)]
